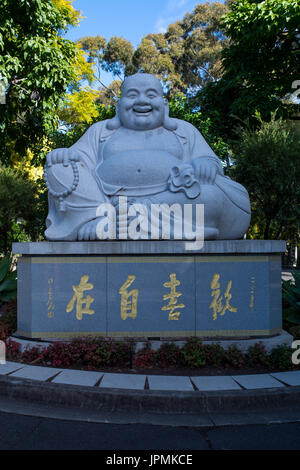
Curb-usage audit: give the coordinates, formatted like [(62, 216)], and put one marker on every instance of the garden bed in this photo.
[(99, 354)]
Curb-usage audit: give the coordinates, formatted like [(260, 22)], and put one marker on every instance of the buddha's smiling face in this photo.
[(142, 105)]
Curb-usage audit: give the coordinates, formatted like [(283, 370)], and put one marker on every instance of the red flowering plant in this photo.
[(169, 355), (80, 352), (257, 356), (145, 358), (8, 318), (13, 350)]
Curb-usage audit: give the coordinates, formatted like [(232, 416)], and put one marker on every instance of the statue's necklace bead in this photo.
[(62, 195)]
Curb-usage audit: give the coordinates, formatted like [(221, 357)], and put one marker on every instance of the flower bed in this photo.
[(106, 353)]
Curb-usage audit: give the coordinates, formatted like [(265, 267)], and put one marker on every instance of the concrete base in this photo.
[(149, 290)]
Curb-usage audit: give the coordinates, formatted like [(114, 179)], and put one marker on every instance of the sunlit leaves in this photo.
[(38, 65), (80, 106)]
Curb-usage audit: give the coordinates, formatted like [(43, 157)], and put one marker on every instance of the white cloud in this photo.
[(174, 4), (173, 11), (162, 23)]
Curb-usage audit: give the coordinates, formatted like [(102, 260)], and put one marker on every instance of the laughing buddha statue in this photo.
[(148, 157)]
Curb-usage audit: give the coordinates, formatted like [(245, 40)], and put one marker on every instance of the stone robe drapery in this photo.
[(81, 204)]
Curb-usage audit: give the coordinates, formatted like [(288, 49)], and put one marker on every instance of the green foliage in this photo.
[(118, 56), (168, 355), (281, 358), (259, 65), (214, 355), (8, 281), (294, 331), (37, 66), (185, 58), (266, 162), (257, 356), (65, 138), (114, 56), (88, 353), (145, 357), (194, 353), (233, 357), (8, 318), (182, 108), (99, 353), (20, 208), (188, 54), (291, 299)]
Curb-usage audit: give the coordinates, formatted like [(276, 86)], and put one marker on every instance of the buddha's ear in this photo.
[(169, 123), (114, 123)]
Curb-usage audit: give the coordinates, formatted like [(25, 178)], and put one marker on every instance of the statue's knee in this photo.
[(213, 199)]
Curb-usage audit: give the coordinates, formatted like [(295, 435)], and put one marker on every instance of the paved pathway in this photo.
[(152, 382)]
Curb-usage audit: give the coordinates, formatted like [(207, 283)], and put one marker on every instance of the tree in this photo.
[(36, 64), (60, 138), (20, 210), (118, 56), (80, 106), (188, 55), (185, 58), (267, 163), (180, 108), (113, 56), (152, 56), (260, 63)]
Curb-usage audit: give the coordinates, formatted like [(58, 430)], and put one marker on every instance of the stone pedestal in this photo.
[(149, 289)]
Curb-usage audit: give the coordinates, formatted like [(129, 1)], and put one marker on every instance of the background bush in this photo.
[(21, 208)]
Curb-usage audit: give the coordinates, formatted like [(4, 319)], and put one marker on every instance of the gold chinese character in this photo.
[(50, 314), (50, 304), (173, 298), (252, 292), (217, 302), (83, 304), (128, 299)]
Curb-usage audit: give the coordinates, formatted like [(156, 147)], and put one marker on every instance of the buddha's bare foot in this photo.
[(88, 231)]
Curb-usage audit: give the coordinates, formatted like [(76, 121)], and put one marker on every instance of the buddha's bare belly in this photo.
[(137, 168)]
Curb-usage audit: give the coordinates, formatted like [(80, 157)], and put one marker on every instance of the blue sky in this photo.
[(130, 19)]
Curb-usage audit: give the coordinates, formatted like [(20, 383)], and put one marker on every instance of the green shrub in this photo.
[(8, 281), (266, 161), (81, 352), (291, 299), (257, 356), (281, 358), (13, 350), (295, 332), (95, 353), (8, 318), (194, 353), (233, 357), (168, 355), (145, 358), (214, 355), (19, 208), (181, 108)]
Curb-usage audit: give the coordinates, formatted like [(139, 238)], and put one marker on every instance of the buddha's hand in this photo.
[(205, 170), (63, 156)]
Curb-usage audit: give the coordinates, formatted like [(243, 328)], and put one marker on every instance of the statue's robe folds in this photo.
[(231, 200)]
